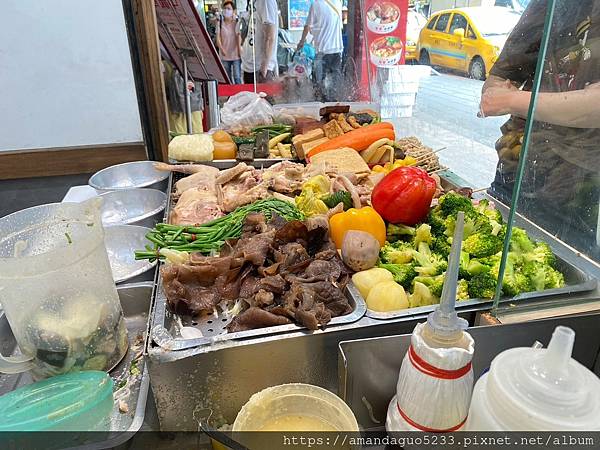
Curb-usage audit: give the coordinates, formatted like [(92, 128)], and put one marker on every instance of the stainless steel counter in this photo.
[(216, 380)]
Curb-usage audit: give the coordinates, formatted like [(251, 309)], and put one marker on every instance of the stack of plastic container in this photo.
[(397, 88)]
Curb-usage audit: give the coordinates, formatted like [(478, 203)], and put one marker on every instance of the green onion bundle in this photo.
[(210, 237)]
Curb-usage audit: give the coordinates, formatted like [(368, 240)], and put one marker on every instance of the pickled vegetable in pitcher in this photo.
[(58, 292)]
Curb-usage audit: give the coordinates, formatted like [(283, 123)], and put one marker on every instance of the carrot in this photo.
[(358, 139)]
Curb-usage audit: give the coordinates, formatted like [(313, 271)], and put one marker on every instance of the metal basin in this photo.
[(121, 243), (133, 206), (137, 174)]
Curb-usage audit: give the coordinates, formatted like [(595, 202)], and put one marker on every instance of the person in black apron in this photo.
[(561, 185)]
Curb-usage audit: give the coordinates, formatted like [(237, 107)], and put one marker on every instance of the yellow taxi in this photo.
[(466, 39), (414, 23)]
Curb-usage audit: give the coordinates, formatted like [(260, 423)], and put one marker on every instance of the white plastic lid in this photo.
[(544, 389)]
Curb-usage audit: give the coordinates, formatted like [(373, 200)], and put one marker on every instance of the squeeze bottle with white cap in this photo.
[(436, 378), (536, 389)]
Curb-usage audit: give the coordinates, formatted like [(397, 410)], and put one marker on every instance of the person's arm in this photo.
[(238, 35), (218, 36), (577, 109), (302, 40), (306, 30), (269, 31)]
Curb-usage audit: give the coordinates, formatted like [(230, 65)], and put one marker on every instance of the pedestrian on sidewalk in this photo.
[(324, 23), (229, 42)]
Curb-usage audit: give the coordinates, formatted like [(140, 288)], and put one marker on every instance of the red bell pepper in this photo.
[(404, 195)]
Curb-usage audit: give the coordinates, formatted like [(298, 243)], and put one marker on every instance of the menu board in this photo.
[(298, 13), (181, 30), (385, 25)]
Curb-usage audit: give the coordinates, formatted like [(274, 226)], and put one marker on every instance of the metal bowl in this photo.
[(137, 174), (133, 206), (121, 243)]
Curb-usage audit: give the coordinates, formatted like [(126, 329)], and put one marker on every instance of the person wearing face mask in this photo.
[(229, 42)]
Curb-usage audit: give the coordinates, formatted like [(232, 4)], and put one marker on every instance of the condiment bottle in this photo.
[(536, 389), (436, 378)]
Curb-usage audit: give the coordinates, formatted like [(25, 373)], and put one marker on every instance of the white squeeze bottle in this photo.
[(536, 389), (436, 378)]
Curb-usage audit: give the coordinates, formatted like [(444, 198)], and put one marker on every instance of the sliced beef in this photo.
[(254, 318), (253, 224), (329, 294), (249, 286), (275, 284), (316, 239), (269, 270), (263, 299), (254, 249), (294, 231), (324, 270), (327, 254), (293, 258), (190, 290)]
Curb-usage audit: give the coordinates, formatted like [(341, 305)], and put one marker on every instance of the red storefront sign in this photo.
[(385, 30)]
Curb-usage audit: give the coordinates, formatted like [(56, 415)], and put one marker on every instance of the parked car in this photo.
[(414, 24), (466, 39)]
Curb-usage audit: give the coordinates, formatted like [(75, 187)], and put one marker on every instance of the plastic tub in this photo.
[(277, 408)]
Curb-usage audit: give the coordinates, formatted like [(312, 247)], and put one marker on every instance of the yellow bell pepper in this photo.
[(363, 219)]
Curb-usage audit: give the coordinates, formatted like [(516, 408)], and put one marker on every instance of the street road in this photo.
[(445, 115)]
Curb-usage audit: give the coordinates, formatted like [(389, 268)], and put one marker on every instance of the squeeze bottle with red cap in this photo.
[(436, 378)]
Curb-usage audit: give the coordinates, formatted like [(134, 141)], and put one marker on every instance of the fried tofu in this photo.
[(333, 129)]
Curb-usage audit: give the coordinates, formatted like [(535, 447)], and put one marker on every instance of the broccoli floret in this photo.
[(441, 246), (474, 223), (463, 268), (520, 242), (451, 203), (482, 285), (403, 273), (396, 253), (421, 296), (488, 209), (476, 267), (396, 232), (543, 276), (435, 284), (462, 290), (542, 253), (423, 234), (428, 264), (554, 278), (481, 245), (515, 283), (436, 220)]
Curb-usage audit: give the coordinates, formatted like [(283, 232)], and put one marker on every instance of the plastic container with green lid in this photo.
[(79, 401)]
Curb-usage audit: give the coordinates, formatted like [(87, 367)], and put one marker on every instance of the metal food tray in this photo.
[(576, 279), (165, 328), (135, 301), (228, 163)]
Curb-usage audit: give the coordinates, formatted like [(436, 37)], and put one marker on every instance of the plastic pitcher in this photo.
[(533, 389), (57, 290)]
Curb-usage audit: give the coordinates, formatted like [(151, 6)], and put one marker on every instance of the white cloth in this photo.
[(326, 26), (265, 12)]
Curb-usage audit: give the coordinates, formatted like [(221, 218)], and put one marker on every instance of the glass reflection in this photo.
[(561, 185)]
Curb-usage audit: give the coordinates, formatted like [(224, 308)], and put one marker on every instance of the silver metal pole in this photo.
[(212, 98), (186, 93)]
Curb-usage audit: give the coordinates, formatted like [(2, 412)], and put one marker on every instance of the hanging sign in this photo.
[(385, 26)]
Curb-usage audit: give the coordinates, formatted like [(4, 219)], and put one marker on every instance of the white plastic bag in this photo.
[(246, 109)]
